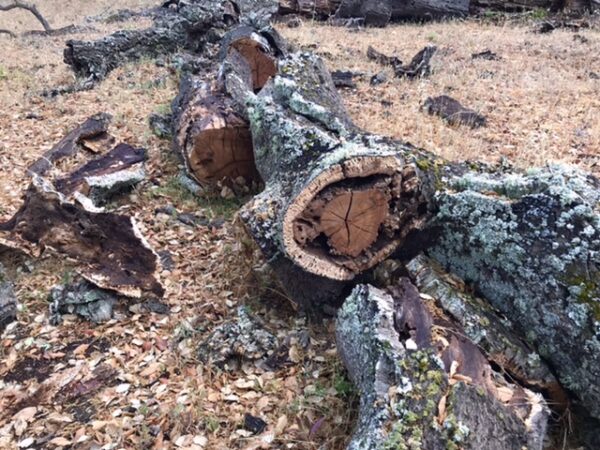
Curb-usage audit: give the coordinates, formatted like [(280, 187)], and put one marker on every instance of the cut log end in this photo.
[(215, 141), (352, 216), (222, 151)]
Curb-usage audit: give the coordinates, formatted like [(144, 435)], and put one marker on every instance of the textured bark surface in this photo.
[(210, 125), (93, 128), (185, 25), (530, 244), (116, 171), (109, 249), (305, 148), (491, 333), (423, 385), (8, 301), (380, 12), (81, 298)]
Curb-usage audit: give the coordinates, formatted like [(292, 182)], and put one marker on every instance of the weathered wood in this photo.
[(314, 162), (528, 241), (99, 179), (8, 301), (18, 4), (214, 140), (485, 328), (453, 112), (211, 130), (93, 128), (188, 25), (530, 245), (419, 66), (392, 345), (109, 249)]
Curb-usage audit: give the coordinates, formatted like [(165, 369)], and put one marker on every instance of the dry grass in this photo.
[(542, 105)]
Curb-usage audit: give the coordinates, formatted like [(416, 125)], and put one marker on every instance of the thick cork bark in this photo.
[(187, 25), (423, 384)]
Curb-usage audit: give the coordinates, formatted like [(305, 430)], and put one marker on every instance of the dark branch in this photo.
[(29, 7)]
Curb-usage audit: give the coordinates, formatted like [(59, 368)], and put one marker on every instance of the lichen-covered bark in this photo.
[(8, 301), (189, 25), (81, 298), (484, 327), (410, 396), (530, 245), (302, 134)]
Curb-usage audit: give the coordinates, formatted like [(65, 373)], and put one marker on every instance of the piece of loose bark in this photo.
[(93, 128), (419, 66), (109, 249), (453, 112), (118, 170), (392, 344)]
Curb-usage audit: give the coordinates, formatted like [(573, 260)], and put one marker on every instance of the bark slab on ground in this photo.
[(109, 249)]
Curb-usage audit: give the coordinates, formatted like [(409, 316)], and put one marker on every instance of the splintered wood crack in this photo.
[(351, 220), (349, 215)]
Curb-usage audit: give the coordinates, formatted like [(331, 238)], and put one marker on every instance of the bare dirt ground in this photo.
[(542, 106)]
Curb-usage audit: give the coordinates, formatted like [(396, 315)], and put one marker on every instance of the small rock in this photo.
[(379, 78), (254, 424)]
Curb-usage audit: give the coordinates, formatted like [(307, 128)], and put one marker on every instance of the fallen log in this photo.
[(380, 12), (211, 130), (188, 25), (423, 384), (338, 201), (109, 249)]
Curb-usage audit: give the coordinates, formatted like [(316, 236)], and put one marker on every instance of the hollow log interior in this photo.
[(223, 151), (262, 66), (350, 221)]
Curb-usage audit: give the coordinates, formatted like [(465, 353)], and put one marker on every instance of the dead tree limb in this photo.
[(211, 129), (189, 26), (10, 33), (423, 384), (18, 4), (338, 201)]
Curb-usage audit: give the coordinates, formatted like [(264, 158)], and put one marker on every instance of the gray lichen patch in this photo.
[(8, 301), (83, 299), (530, 243), (410, 398), (239, 341)]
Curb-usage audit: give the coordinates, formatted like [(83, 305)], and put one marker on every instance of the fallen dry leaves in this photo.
[(135, 381)]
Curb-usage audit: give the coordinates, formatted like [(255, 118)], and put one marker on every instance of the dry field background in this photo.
[(541, 103), (542, 106)]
